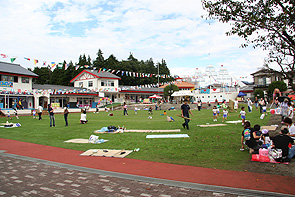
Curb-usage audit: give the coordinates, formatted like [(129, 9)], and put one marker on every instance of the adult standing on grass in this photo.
[(51, 115), (249, 102), (185, 111), (256, 103), (40, 110), (261, 104), (66, 112), (236, 105), (125, 109)]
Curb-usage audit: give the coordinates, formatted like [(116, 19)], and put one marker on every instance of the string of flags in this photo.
[(54, 65)]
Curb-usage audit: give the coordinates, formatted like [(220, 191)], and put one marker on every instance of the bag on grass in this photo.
[(93, 138), (276, 154)]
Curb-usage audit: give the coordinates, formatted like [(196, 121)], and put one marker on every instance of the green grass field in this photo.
[(212, 147)]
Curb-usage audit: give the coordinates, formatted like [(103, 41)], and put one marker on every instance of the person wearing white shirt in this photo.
[(291, 127), (40, 110), (83, 119), (249, 105), (290, 111)]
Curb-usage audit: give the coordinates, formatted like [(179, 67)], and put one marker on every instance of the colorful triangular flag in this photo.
[(12, 59), (35, 61)]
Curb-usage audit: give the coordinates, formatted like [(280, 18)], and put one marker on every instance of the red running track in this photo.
[(235, 179)]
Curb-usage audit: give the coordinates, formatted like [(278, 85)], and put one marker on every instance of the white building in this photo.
[(15, 86)]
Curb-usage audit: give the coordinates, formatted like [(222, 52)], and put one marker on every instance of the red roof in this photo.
[(181, 84)]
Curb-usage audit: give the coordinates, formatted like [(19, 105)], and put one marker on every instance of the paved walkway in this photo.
[(171, 178)]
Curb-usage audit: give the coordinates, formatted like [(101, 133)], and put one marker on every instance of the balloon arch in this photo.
[(104, 98)]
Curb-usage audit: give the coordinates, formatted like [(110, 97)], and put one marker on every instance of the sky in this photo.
[(50, 30)]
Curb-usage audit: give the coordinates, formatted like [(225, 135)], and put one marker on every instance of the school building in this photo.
[(90, 88), (15, 86)]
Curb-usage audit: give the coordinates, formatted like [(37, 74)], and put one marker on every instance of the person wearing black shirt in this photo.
[(282, 141), (250, 138), (185, 111), (51, 115)]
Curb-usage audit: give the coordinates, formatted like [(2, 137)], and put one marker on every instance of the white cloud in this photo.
[(172, 30)]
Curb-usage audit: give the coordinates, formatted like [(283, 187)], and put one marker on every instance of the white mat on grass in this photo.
[(152, 131), (82, 141), (168, 136), (235, 121)]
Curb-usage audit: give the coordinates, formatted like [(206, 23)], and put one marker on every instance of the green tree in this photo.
[(269, 24), (99, 62), (44, 75), (169, 90), (276, 84), (259, 93)]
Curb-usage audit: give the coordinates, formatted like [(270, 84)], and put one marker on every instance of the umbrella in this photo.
[(155, 96), (242, 94)]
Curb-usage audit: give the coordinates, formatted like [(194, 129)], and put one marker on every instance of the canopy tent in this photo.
[(183, 93), (241, 94), (155, 96)]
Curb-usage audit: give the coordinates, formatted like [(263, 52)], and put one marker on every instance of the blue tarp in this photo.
[(242, 94)]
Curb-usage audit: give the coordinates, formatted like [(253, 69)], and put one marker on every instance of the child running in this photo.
[(214, 110), (150, 110), (135, 109), (264, 110), (225, 114), (15, 113), (243, 115), (34, 114), (8, 115)]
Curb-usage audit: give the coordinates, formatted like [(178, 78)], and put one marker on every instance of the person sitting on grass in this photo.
[(250, 137), (258, 134), (267, 142), (243, 115), (291, 127), (282, 141), (83, 119)]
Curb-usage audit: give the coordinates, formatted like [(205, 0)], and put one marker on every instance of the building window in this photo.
[(15, 79), (107, 83), (7, 78), (25, 80), (80, 84), (90, 83)]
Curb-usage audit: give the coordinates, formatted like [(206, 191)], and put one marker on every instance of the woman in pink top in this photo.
[(125, 109)]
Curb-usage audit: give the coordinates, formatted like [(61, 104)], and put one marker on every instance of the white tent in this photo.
[(182, 93)]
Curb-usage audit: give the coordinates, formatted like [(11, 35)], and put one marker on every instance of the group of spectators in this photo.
[(255, 139)]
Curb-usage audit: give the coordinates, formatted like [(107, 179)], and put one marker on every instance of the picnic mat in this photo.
[(270, 128), (152, 131), (257, 157), (168, 136), (107, 153), (10, 125), (211, 125), (235, 121), (85, 141)]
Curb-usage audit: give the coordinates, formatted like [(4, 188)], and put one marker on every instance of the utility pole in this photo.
[(158, 78)]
